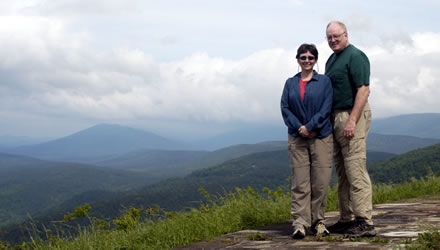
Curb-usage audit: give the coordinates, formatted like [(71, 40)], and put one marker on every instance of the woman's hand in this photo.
[(303, 131), (312, 135)]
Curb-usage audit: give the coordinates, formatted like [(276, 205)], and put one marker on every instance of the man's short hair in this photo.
[(341, 24)]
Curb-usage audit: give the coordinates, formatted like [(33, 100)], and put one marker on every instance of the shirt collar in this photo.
[(314, 77)]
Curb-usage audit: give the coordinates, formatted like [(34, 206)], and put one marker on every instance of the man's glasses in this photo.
[(303, 58), (336, 37)]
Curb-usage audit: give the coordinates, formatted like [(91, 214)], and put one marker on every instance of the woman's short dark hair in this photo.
[(304, 48)]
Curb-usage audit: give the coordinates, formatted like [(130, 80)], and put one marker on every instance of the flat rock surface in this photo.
[(395, 224)]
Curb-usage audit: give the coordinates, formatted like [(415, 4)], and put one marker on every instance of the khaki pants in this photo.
[(311, 162), (354, 189)]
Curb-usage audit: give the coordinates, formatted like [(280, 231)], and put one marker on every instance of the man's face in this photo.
[(336, 37)]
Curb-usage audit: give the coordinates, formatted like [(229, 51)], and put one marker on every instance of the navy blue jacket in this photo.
[(314, 112)]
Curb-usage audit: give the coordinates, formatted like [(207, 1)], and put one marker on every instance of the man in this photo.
[(349, 70)]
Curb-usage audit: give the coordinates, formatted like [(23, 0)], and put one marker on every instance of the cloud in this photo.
[(50, 71), (217, 89), (404, 76), (71, 7), (296, 2)]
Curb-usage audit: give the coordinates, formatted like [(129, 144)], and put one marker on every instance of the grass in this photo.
[(242, 209), (258, 236), (415, 188), (428, 240)]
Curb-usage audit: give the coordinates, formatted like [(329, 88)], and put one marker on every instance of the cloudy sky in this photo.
[(185, 66)]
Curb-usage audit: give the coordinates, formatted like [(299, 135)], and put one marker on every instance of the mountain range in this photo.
[(97, 143), (108, 144), (15, 141), (112, 166), (397, 144), (30, 186), (262, 169), (112, 157), (424, 125)]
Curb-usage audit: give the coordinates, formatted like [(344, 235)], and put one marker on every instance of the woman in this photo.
[(306, 107)]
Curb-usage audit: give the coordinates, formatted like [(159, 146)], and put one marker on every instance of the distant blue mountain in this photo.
[(105, 141), (246, 135), (15, 141), (397, 144), (415, 125), (426, 125), (97, 142)]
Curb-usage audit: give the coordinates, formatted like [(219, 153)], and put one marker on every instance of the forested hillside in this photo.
[(30, 186), (414, 164), (264, 169)]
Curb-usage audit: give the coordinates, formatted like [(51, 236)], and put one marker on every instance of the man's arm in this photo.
[(359, 103)]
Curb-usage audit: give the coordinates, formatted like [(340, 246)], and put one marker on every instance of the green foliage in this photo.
[(330, 238), (429, 240), (4, 247), (415, 188), (242, 209), (80, 212), (129, 220), (332, 199), (383, 193), (258, 236), (155, 228), (377, 239)]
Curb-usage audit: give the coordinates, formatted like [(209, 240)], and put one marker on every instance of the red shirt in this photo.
[(302, 88)]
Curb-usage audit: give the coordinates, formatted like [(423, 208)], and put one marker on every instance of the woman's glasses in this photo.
[(303, 58)]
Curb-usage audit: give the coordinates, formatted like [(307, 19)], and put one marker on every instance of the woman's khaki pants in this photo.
[(311, 162)]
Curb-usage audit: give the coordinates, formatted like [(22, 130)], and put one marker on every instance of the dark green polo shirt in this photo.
[(348, 71)]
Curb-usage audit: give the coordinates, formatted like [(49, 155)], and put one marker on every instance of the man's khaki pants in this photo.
[(311, 162), (354, 190)]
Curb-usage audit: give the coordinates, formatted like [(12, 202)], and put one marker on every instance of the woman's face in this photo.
[(306, 61)]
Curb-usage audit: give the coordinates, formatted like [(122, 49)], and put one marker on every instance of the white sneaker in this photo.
[(299, 232), (321, 230)]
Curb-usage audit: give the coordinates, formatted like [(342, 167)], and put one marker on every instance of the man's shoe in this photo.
[(340, 227), (320, 229), (361, 229), (299, 233)]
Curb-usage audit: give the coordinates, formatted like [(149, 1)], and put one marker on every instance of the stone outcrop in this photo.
[(396, 223)]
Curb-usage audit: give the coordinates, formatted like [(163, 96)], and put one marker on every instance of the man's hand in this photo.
[(350, 128), (359, 104)]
